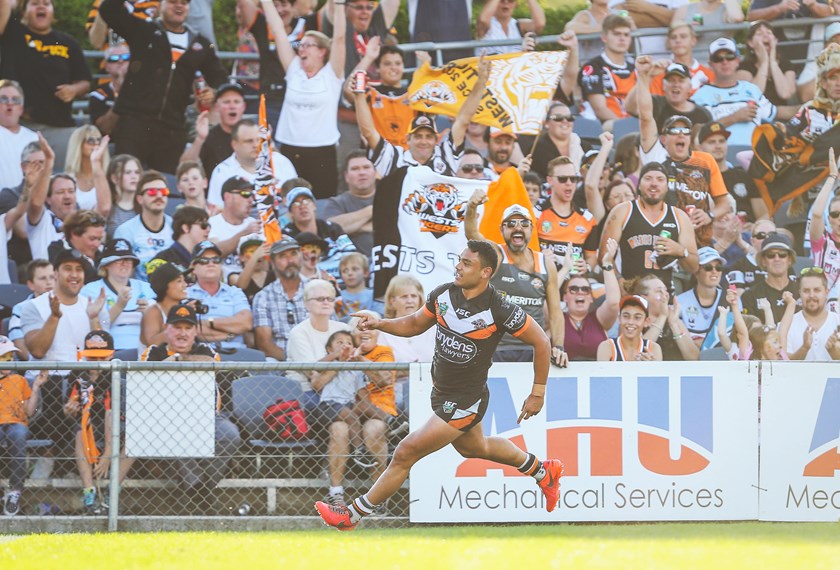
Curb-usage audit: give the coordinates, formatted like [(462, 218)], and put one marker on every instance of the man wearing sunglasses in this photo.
[(523, 277), (233, 222), (694, 178), (150, 231), (738, 105), (814, 331), (777, 258), (245, 140), (101, 100)]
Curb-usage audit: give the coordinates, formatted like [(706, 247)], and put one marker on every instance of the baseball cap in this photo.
[(832, 30), (98, 343), (181, 314), (236, 183), (640, 302), (709, 254), (7, 346), (232, 86), (678, 69), (249, 240), (776, 241), (658, 166), (163, 275), (65, 255), (713, 128), (116, 250), (308, 238), (297, 192), (736, 278), (204, 246), (674, 119), (422, 121), (284, 244), (494, 132), (516, 210), (723, 44)]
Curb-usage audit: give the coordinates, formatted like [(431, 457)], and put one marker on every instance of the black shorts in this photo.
[(462, 413)]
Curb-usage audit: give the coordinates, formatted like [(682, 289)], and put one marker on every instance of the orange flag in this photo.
[(504, 192), (264, 183)]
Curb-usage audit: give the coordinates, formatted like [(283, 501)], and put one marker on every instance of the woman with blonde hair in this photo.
[(81, 165)]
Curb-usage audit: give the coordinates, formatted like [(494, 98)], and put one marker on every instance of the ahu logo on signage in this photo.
[(824, 451), (655, 440)]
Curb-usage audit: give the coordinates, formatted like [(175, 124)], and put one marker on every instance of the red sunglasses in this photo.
[(156, 192)]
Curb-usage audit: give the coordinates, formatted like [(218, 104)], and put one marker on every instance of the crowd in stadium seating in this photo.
[(657, 242)]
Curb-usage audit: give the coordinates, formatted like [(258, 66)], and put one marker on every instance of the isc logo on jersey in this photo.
[(605, 426), (824, 451), (453, 347)]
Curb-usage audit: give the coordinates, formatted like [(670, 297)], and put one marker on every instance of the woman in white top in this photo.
[(308, 127), (496, 22), (78, 164), (404, 296)]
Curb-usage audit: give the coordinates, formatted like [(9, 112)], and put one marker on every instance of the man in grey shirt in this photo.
[(353, 209)]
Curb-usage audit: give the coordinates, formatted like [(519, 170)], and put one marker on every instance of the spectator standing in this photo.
[(764, 68), (712, 139), (644, 249), (51, 201), (87, 161), (824, 249), (48, 64), (245, 141), (496, 22), (738, 105), (166, 55), (84, 231), (682, 43), (589, 21), (695, 183), (101, 100), (124, 172), (630, 346), (233, 222), (14, 137), (353, 209), (777, 258), (426, 25), (655, 14), (813, 330), (150, 231), (675, 99), (228, 314), (212, 145), (557, 139), (170, 288), (190, 226), (806, 84), (606, 79), (699, 305), (280, 305), (709, 13), (126, 299), (18, 402), (308, 126), (302, 210)]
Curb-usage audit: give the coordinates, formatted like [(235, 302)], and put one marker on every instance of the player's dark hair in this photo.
[(487, 254)]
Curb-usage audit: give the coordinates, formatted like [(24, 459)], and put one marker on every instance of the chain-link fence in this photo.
[(194, 438)]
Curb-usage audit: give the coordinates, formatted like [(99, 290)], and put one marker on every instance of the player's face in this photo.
[(405, 301), (617, 40), (517, 231), (652, 187), (715, 145), (468, 270), (813, 294), (180, 336), (631, 321)]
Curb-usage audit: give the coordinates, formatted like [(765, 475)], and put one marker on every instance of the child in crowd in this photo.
[(18, 403), (736, 342), (257, 271), (533, 185), (768, 342), (90, 402), (312, 250), (356, 296)]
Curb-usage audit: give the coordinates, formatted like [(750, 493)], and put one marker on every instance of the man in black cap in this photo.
[(777, 257), (199, 476), (279, 306), (234, 222), (212, 144), (651, 247), (694, 179), (676, 90)]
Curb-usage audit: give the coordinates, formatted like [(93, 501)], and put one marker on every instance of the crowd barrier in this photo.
[(640, 442)]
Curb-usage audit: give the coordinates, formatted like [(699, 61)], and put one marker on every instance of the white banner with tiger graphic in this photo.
[(421, 233)]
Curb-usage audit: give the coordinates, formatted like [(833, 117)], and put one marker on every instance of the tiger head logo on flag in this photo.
[(438, 207)]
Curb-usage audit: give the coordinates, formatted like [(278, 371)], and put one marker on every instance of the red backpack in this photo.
[(286, 420)]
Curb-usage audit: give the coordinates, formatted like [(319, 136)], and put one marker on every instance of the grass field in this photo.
[(617, 546)]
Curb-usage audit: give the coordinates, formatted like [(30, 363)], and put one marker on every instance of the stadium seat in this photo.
[(627, 126), (243, 355), (172, 205), (801, 263), (716, 353), (588, 130), (251, 396), (129, 354), (12, 294), (13, 272), (4, 326), (732, 153)]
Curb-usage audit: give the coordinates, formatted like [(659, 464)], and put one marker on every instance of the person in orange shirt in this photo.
[(17, 403)]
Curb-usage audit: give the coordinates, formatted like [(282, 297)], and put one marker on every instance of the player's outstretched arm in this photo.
[(410, 325), (536, 337)]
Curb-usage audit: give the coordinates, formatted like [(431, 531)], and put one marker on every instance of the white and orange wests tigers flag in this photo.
[(515, 100), (264, 182)]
